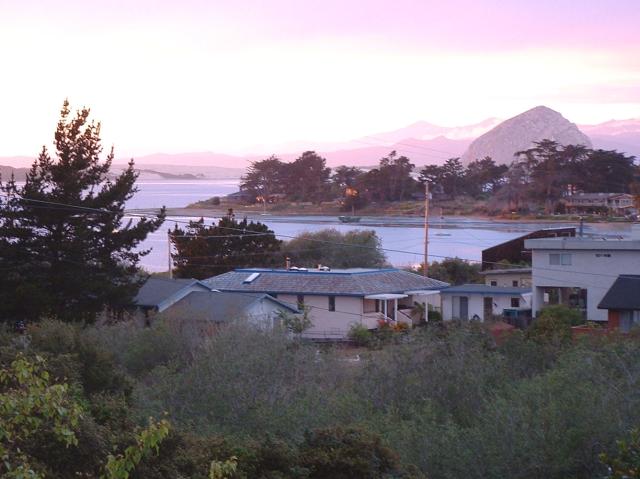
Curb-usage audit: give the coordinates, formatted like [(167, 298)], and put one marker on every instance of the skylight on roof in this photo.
[(251, 278)]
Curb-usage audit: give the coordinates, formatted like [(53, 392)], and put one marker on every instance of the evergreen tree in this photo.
[(66, 250), (203, 251)]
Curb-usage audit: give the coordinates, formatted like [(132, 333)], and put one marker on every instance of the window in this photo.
[(332, 303), (300, 301), (557, 259), (514, 283), (515, 302), (494, 283), (629, 319)]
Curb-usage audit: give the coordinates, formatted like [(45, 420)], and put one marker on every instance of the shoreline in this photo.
[(372, 215)]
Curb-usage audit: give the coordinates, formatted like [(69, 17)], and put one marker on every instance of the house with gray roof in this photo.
[(336, 299), (190, 300)]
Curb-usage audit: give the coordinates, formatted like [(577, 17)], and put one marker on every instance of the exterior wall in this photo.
[(261, 313), (506, 280), (591, 269), (331, 324), (476, 304), (167, 303), (614, 319)]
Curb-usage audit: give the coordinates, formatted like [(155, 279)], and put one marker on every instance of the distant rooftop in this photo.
[(507, 271), (485, 289), (578, 243), (327, 270)]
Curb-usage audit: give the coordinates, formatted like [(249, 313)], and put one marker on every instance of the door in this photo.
[(488, 308), (464, 308)]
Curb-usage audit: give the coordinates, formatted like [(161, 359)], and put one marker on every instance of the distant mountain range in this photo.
[(423, 142)]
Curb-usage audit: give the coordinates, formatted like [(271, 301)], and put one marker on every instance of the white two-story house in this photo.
[(578, 272), (337, 299)]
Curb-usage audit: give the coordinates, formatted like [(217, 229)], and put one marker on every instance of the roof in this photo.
[(583, 244), (623, 294), (345, 282), (220, 306), (156, 291), (507, 271), (485, 289)]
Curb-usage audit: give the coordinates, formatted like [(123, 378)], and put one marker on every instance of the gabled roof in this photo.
[(158, 291), (485, 290), (623, 294), (345, 282), (220, 306)]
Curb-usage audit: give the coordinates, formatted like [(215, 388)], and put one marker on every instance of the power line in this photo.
[(248, 233)]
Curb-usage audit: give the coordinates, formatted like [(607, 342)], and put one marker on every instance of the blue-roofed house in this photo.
[(337, 299)]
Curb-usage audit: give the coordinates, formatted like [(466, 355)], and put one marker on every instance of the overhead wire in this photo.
[(244, 232)]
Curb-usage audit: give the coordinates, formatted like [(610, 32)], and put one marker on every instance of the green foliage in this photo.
[(625, 464), (553, 324), (223, 469), (455, 271), (296, 323), (349, 453), (203, 251), (65, 246), (443, 402), (31, 405), (330, 247), (360, 335), (147, 442)]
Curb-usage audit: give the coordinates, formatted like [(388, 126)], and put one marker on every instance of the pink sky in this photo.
[(233, 75)]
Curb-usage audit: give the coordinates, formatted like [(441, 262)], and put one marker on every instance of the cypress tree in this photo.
[(66, 249)]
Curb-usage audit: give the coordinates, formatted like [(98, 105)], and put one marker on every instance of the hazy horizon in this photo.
[(233, 78)]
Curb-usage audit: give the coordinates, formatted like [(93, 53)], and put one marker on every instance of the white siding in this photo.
[(330, 323), (505, 280), (476, 304), (592, 270)]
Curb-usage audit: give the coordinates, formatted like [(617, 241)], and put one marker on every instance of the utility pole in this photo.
[(169, 254), (426, 228)]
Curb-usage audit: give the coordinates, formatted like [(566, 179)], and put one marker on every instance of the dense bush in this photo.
[(444, 399)]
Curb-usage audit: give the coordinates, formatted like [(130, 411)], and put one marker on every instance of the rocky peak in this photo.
[(521, 131)]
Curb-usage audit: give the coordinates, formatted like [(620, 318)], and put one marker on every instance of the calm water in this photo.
[(154, 194), (402, 237)]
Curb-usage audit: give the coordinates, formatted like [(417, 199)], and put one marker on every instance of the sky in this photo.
[(236, 76)]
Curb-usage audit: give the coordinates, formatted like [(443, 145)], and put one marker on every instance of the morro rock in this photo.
[(520, 132)]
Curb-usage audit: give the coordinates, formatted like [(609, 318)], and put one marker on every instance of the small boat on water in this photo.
[(349, 219)]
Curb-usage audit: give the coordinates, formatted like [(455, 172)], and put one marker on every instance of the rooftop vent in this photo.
[(252, 277)]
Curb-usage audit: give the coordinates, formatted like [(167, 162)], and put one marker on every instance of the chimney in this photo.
[(287, 263)]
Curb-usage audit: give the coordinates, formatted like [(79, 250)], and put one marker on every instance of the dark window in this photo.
[(494, 283), (332, 303), (301, 301), (377, 305), (515, 283), (515, 302)]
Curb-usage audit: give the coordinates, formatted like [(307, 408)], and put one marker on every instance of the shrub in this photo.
[(553, 324), (360, 335)]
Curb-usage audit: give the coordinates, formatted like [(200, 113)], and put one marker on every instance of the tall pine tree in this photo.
[(66, 249)]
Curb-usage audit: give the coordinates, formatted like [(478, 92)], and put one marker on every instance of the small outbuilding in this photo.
[(481, 302), (622, 302)]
